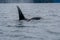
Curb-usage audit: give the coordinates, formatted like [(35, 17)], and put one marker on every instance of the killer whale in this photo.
[(22, 17)]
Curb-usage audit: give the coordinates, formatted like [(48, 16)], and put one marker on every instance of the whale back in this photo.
[(21, 16)]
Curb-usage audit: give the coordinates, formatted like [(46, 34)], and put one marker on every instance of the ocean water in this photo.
[(48, 28)]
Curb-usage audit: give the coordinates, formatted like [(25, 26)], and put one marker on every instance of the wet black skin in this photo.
[(21, 16)]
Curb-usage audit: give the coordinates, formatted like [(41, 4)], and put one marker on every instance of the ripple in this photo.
[(1, 33), (9, 26), (29, 37), (22, 26), (15, 35), (51, 32)]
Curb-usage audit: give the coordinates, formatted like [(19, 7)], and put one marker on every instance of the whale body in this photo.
[(22, 17)]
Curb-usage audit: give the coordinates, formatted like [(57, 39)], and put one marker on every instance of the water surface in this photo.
[(48, 28)]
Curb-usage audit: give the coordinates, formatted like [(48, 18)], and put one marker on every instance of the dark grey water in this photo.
[(48, 28)]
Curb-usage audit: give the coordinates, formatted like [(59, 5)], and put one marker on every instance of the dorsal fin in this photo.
[(21, 16)]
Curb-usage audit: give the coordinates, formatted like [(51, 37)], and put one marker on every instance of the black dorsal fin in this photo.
[(21, 16)]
